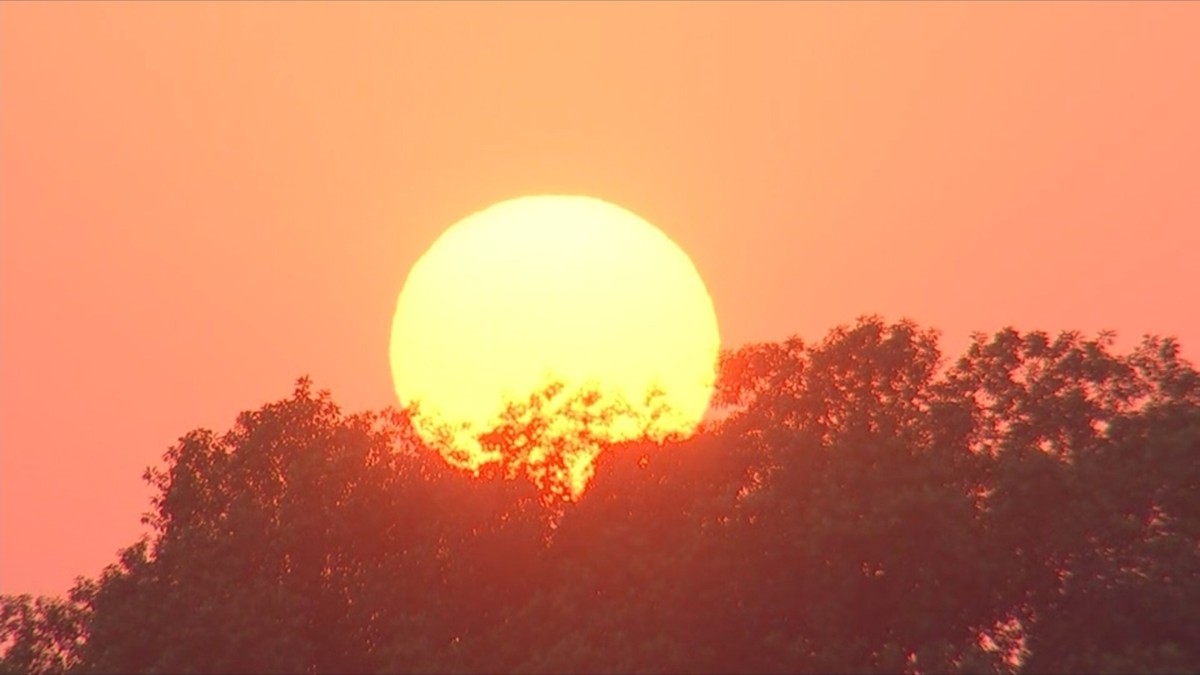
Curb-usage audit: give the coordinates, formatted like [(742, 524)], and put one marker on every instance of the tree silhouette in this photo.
[(860, 505)]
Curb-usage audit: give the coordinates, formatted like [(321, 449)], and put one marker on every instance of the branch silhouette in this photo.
[(862, 504)]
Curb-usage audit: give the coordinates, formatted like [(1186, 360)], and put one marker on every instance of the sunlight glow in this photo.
[(547, 289)]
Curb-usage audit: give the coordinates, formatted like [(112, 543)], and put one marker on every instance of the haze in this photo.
[(201, 202)]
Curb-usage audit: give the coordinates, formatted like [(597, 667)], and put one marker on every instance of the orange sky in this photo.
[(201, 202)]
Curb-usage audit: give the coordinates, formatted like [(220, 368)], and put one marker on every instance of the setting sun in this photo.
[(564, 289), (599, 337)]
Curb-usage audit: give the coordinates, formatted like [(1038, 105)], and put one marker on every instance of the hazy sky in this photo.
[(201, 202)]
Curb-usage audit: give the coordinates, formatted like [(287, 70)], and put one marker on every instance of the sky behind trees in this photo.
[(201, 202)]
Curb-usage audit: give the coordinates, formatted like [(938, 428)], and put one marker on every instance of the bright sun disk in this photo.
[(552, 288)]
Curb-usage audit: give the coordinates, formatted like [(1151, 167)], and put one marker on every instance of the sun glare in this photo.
[(553, 289)]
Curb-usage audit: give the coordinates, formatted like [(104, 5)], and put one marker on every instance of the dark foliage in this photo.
[(861, 506)]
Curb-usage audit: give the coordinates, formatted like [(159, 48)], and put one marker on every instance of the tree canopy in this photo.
[(861, 504)]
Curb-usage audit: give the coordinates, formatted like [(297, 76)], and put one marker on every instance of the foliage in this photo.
[(42, 635), (862, 505)]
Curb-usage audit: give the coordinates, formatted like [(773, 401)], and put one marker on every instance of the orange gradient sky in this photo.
[(201, 202)]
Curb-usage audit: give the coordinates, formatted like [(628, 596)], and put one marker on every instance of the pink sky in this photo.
[(201, 202)]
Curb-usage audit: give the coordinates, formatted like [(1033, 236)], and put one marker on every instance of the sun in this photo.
[(559, 289)]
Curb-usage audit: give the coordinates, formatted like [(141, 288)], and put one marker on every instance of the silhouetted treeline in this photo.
[(862, 507)]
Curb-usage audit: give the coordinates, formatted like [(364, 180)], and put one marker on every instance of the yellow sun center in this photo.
[(543, 289)]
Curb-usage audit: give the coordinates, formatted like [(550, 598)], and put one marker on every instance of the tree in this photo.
[(861, 505), (301, 541), (863, 513), (41, 635)]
